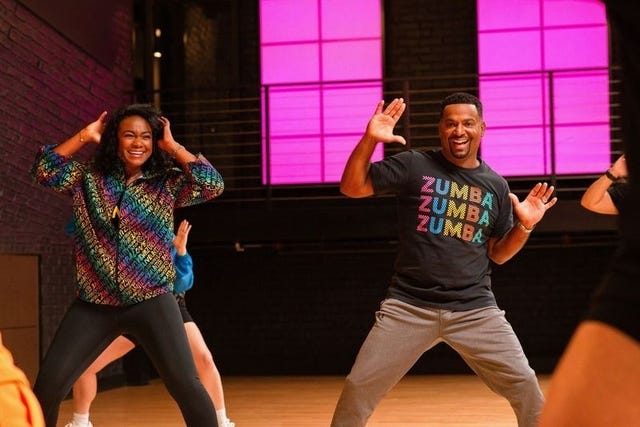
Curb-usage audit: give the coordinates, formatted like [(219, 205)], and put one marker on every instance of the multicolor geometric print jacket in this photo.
[(123, 233)]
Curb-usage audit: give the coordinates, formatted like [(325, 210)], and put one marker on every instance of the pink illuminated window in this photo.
[(321, 71), (545, 86)]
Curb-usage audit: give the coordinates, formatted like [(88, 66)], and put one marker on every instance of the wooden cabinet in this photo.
[(19, 308)]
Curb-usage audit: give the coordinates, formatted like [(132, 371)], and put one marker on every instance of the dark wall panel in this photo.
[(296, 309)]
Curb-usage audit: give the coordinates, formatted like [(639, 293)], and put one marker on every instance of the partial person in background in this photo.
[(607, 193), (597, 380), (18, 405), (123, 205), (86, 387)]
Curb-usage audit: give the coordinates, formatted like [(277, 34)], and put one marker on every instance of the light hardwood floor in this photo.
[(433, 401)]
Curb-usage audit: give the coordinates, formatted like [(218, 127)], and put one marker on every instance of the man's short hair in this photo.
[(461, 98)]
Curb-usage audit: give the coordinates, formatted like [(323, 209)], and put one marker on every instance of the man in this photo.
[(455, 217)]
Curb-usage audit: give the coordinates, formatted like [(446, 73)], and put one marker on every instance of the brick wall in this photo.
[(49, 90)]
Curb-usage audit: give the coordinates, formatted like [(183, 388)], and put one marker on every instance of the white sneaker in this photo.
[(227, 423)]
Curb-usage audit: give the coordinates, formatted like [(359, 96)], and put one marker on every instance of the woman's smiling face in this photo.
[(135, 143)]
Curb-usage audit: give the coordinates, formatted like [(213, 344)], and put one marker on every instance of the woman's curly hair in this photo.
[(107, 159)]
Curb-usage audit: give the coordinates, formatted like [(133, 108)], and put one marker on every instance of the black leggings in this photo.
[(87, 329)]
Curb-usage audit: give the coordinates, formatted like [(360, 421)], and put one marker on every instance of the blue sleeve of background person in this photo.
[(184, 273)]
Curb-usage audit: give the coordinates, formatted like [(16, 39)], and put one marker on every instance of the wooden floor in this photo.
[(434, 401)]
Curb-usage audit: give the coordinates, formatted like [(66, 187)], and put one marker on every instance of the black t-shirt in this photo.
[(617, 299), (446, 216), (619, 193)]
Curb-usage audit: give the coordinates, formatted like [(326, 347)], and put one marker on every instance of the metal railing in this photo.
[(226, 126)]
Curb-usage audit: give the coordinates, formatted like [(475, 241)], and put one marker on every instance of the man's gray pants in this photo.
[(403, 332)]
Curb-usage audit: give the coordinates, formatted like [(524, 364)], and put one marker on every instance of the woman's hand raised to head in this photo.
[(167, 143), (93, 131)]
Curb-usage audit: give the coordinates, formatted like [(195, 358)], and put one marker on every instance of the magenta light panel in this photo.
[(321, 71), (545, 86)]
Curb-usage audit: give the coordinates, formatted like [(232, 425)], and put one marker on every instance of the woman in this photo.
[(123, 204), (86, 387)]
